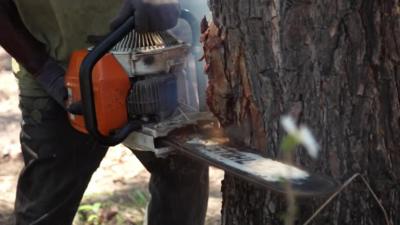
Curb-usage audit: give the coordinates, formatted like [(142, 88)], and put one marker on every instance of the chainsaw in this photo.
[(137, 89)]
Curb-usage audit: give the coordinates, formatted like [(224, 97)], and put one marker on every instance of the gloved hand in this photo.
[(150, 15), (51, 78)]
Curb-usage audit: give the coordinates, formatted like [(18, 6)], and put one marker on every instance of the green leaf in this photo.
[(85, 208), (96, 207), (140, 198), (289, 143), (93, 219)]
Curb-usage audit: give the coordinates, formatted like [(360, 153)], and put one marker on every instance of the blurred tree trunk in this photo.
[(335, 66)]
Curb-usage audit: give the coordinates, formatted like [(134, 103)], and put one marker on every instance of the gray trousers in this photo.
[(60, 161)]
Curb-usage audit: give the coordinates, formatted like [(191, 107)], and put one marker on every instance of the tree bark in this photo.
[(335, 66)]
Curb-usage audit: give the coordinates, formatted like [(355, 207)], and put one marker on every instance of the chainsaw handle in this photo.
[(196, 49), (194, 26), (86, 84)]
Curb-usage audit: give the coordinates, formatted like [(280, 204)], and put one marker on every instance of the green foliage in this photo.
[(139, 198), (113, 208), (89, 213), (289, 143)]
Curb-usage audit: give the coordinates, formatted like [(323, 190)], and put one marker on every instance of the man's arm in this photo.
[(30, 53), (18, 41)]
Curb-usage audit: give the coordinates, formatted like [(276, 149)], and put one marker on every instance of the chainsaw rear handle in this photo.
[(86, 84), (198, 53), (194, 26)]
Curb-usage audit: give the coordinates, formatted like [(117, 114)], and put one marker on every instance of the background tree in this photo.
[(335, 66)]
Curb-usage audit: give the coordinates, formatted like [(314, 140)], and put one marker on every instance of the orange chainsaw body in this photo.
[(111, 87)]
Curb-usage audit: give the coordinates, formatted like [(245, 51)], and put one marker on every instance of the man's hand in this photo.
[(51, 78), (150, 15)]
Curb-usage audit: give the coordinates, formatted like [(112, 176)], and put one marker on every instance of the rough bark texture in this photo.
[(335, 65)]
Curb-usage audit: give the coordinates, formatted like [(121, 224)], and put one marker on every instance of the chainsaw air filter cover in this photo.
[(154, 96), (143, 54)]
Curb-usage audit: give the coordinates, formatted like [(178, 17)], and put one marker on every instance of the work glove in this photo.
[(150, 15), (51, 78)]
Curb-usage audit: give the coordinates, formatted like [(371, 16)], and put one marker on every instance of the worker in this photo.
[(59, 161)]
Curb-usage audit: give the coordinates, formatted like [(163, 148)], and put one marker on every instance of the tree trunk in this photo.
[(335, 66)]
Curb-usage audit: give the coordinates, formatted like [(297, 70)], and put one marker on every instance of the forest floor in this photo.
[(117, 193)]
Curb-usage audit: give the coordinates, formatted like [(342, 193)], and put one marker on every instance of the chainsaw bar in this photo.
[(252, 167)]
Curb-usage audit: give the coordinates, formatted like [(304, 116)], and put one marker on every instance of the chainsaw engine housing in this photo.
[(143, 77)]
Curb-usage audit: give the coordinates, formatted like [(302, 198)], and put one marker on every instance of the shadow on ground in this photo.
[(122, 207), (128, 206)]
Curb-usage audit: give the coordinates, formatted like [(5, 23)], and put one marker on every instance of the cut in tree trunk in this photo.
[(333, 65)]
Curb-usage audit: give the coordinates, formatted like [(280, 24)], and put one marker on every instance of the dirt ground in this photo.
[(117, 193)]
